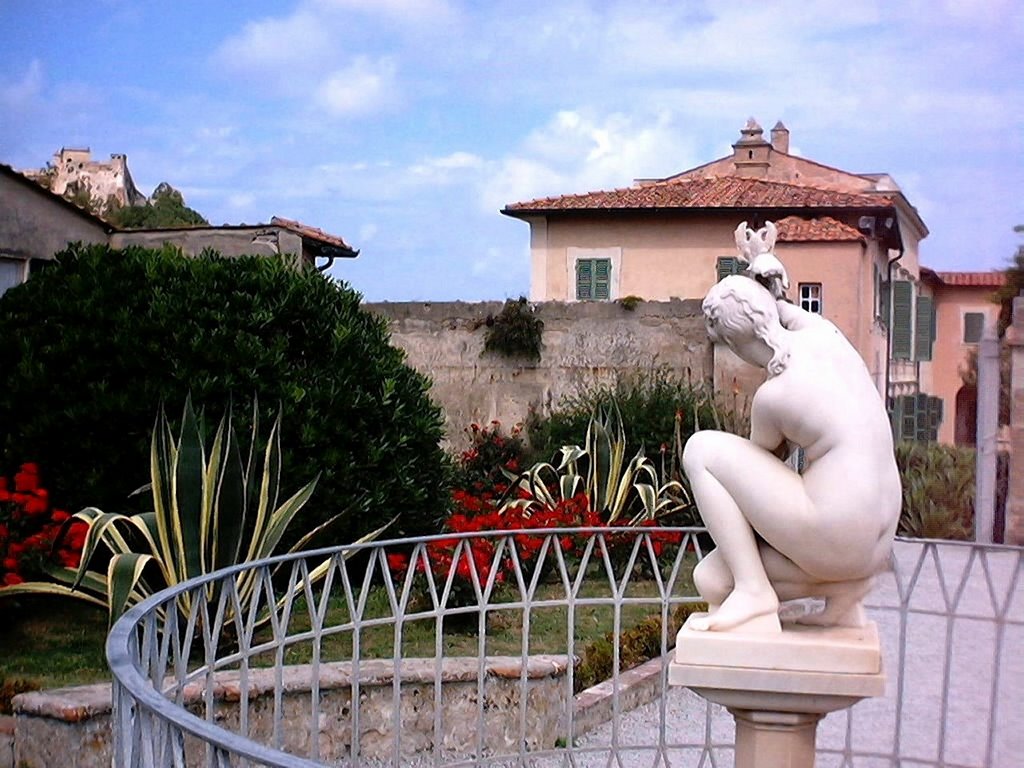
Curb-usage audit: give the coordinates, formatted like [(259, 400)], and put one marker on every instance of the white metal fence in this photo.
[(198, 680)]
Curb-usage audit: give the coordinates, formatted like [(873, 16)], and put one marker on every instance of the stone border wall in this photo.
[(583, 343), (71, 727)]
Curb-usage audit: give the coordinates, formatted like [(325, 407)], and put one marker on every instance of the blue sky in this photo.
[(405, 125)]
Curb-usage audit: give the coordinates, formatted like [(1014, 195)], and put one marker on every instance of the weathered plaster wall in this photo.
[(228, 241), (950, 352), (582, 343), (34, 225)]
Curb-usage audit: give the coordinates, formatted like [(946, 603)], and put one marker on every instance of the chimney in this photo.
[(750, 153), (780, 138)]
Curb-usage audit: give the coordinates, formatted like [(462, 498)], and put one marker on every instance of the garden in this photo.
[(163, 417)]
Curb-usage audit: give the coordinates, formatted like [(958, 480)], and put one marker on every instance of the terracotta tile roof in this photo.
[(710, 192), (977, 279), (793, 229), (312, 233)]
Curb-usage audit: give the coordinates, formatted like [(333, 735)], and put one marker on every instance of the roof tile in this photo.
[(708, 192), (314, 233), (977, 279), (794, 229)]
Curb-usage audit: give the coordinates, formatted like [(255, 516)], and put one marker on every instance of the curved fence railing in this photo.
[(512, 648)]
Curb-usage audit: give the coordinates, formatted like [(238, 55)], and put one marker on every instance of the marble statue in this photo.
[(780, 535)]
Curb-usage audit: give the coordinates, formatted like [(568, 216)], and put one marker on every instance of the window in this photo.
[(882, 296), (974, 324), (12, 273), (727, 265), (593, 279), (810, 297)]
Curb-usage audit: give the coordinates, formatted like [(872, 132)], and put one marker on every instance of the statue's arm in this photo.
[(795, 318), (764, 426)]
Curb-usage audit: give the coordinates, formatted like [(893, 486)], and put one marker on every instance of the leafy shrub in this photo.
[(649, 402), (618, 491), (213, 506), (639, 643), (938, 490), (91, 346), (29, 529), (490, 458), (515, 332)]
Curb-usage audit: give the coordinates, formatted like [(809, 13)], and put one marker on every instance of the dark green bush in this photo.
[(90, 348), (648, 402), (515, 332), (938, 491), (639, 643)]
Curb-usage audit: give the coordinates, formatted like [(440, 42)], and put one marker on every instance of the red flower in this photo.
[(11, 579), (59, 516), (398, 562), (10, 564)]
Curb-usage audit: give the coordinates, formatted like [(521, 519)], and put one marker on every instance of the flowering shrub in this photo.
[(491, 458), (478, 512), (29, 528)]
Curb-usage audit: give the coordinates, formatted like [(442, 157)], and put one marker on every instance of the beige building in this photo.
[(850, 242)]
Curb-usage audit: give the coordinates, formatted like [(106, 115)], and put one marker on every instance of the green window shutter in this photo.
[(902, 321), (886, 303), (921, 410), (584, 279), (925, 330), (727, 265), (908, 417), (602, 279)]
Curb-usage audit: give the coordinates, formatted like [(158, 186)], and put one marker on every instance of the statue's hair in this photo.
[(739, 304)]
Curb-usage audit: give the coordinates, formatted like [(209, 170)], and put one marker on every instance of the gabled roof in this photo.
[(39, 189), (794, 229), (723, 192)]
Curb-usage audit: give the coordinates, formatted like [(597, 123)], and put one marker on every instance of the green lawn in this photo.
[(51, 642)]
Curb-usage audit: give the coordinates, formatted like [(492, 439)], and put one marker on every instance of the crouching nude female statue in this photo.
[(781, 535)]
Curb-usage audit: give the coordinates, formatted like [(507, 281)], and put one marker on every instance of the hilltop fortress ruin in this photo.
[(97, 184)]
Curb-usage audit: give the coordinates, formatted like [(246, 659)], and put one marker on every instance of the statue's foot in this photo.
[(752, 613)]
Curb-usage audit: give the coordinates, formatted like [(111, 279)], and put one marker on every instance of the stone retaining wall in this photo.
[(71, 727), (583, 343)]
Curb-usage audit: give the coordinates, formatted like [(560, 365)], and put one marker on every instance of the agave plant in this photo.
[(210, 510), (618, 490)]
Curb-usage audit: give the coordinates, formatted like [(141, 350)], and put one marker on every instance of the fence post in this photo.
[(1015, 496), (988, 427)]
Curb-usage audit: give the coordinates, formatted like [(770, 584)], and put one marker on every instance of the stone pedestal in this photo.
[(777, 687)]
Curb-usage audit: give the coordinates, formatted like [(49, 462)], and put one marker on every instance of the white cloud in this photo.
[(580, 152), (363, 87)]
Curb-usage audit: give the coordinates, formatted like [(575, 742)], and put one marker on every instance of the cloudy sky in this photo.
[(405, 125)]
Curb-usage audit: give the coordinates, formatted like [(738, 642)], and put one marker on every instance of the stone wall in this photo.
[(71, 727), (583, 343)]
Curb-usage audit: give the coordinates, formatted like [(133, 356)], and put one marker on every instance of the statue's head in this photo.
[(741, 313)]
